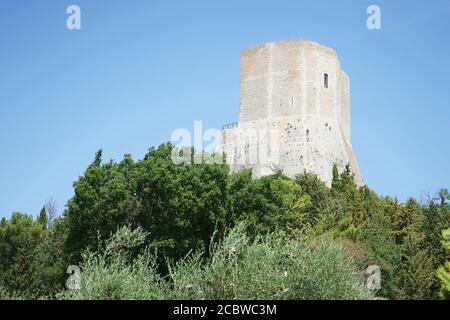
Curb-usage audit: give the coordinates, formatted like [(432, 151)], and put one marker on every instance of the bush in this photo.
[(113, 274), (271, 267), (268, 267), (6, 295), (443, 272)]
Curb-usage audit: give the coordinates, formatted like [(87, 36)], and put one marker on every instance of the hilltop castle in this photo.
[(294, 112)]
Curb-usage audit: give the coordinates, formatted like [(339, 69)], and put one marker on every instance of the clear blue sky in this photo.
[(139, 69)]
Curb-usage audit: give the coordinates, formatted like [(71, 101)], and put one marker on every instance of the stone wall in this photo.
[(287, 112)]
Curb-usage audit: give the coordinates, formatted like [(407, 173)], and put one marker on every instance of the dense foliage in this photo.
[(268, 267), (183, 213), (443, 272)]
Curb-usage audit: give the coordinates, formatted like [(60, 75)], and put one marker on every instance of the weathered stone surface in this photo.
[(284, 97)]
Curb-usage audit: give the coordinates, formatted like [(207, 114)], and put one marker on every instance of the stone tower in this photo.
[(294, 112)]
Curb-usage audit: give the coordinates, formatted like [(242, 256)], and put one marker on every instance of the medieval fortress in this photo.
[(294, 112)]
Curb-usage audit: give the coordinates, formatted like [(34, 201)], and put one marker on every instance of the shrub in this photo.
[(273, 267), (112, 273), (6, 295), (268, 267)]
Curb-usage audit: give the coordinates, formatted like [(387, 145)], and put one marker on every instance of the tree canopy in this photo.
[(184, 209)]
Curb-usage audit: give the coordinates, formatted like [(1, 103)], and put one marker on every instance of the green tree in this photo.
[(50, 261), (42, 219), (19, 238), (416, 267), (180, 205), (436, 217), (405, 222), (268, 203), (443, 272), (335, 183), (103, 198)]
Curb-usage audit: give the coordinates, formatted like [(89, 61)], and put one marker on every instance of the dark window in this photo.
[(325, 80)]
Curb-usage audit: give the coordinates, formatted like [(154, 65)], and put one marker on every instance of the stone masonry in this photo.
[(294, 112)]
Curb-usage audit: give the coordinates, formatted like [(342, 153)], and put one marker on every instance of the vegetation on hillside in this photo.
[(152, 229)]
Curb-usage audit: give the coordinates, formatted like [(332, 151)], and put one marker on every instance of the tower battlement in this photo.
[(298, 89)]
